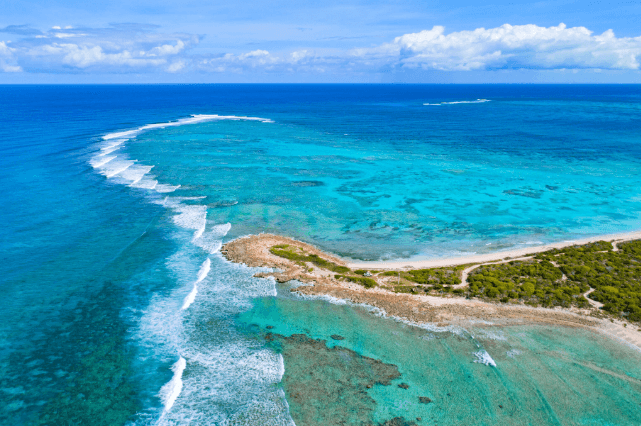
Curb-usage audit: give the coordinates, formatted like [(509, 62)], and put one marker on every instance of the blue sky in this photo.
[(452, 41)]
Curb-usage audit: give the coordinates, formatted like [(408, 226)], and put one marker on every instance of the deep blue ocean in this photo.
[(117, 307)]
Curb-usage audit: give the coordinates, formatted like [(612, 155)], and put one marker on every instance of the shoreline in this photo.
[(489, 257), (441, 311)]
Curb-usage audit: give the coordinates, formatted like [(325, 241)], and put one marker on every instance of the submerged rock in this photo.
[(337, 337), (424, 400), (329, 386), (398, 421)]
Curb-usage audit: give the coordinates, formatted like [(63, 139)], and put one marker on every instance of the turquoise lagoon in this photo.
[(120, 309)]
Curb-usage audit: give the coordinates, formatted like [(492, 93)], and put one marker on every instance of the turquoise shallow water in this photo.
[(120, 310), (542, 374)]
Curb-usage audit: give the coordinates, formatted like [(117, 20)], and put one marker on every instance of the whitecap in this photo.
[(98, 162), (115, 166), (482, 357), (202, 274), (170, 391), (212, 241), (163, 188), (195, 118), (478, 101), (135, 173), (145, 183)]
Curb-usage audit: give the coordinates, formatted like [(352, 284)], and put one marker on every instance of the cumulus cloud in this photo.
[(143, 48), (176, 66), (7, 61), (256, 60), (118, 48), (238, 63), (508, 47)]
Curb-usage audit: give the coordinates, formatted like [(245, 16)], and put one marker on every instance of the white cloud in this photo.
[(299, 55), (507, 46), (167, 49), (176, 66), (237, 63), (141, 48), (68, 35), (7, 61), (83, 56), (121, 48)]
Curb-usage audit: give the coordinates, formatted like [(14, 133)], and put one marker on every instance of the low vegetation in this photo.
[(432, 276), (558, 277), (300, 257), (364, 281)]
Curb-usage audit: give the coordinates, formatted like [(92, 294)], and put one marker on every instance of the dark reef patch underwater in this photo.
[(384, 370), (118, 308)]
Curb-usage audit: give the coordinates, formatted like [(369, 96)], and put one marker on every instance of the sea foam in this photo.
[(227, 369), (170, 391), (482, 357), (202, 274), (478, 101), (195, 118)]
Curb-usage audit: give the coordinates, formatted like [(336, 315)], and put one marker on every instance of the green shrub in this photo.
[(364, 281), (287, 253)]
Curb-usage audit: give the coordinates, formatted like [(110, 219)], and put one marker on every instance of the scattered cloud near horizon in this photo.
[(123, 48)]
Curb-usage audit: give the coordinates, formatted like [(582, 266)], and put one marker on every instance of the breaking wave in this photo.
[(221, 376)]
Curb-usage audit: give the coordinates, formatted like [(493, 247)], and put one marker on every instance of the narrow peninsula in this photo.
[(595, 285)]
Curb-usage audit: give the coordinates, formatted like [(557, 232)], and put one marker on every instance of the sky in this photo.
[(348, 41)]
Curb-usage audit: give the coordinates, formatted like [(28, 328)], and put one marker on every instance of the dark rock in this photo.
[(337, 337), (404, 386), (269, 327), (398, 421), (424, 400), (305, 183)]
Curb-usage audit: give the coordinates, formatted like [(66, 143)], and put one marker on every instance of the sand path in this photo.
[(594, 303), (466, 271)]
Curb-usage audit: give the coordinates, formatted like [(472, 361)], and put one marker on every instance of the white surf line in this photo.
[(478, 101), (188, 216), (482, 357), (120, 138), (170, 391), (98, 164), (199, 231), (202, 274), (114, 173), (500, 255), (195, 118)]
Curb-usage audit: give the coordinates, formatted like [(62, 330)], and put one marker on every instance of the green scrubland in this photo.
[(557, 277)]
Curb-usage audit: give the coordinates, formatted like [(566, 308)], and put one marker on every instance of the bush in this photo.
[(301, 258), (364, 281)]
